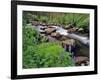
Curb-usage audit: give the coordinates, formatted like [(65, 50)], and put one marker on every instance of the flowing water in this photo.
[(82, 43)]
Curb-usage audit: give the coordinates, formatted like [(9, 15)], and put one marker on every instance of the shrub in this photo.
[(38, 53), (29, 17), (29, 36), (53, 55), (43, 19), (46, 55)]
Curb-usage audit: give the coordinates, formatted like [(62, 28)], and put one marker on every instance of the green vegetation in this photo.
[(40, 54), (77, 19), (30, 37)]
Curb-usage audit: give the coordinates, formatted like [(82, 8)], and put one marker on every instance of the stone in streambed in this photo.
[(49, 30), (80, 60), (55, 34)]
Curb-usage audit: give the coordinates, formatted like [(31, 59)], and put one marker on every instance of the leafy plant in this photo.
[(29, 36), (54, 55), (46, 55), (43, 19), (39, 53), (28, 17)]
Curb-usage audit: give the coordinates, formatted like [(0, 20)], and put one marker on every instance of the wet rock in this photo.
[(50, 30), (81, 61), (69, 42), (43, 28), (55, 34), (35, 23), (51, 39), (69, 26), (69, 46), (42, 31), (71, 30), (63, 38), (43, 24), (50, 26), (42, 35), (81, 30)]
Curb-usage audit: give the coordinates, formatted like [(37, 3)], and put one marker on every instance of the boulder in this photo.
[(51, 39), (80, 60), (50, 30), (50, 26), (55, 34), (69, 46), (81, 30), (43, 28), (42, 31), (71, 30), (69, 26), (69, 42), (35, 23), (63, 38)]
